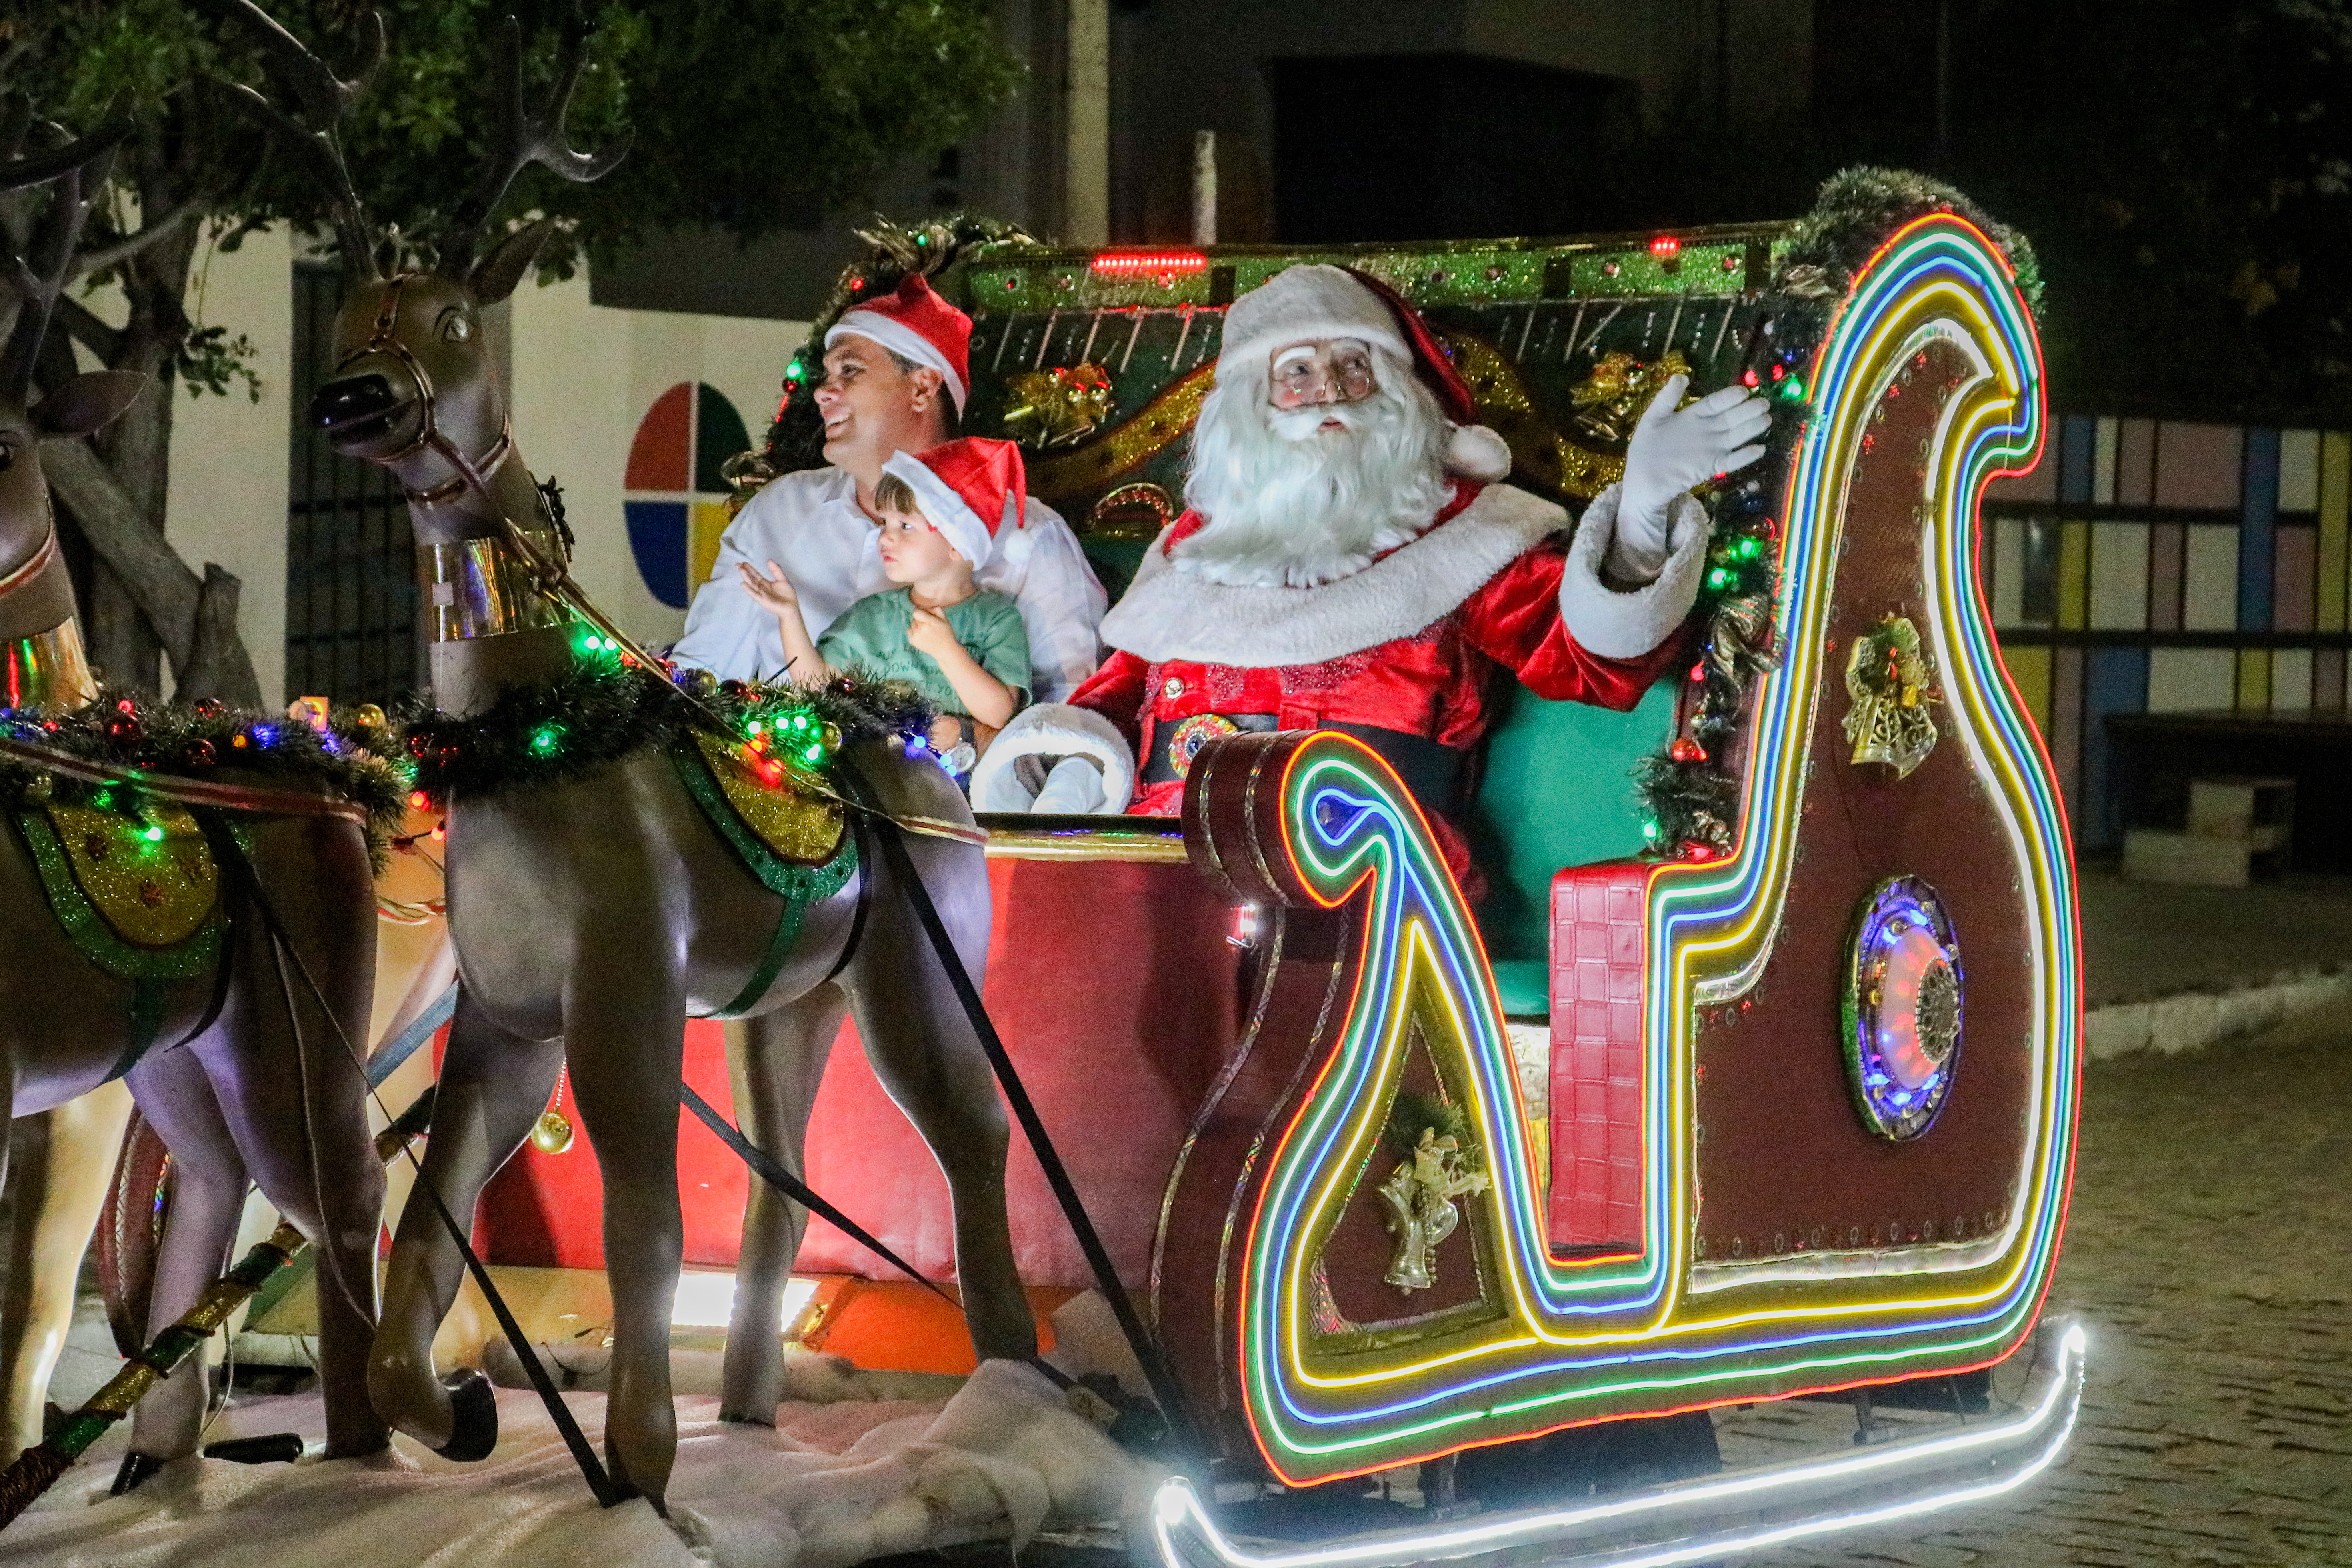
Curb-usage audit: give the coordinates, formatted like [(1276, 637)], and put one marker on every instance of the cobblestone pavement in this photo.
[(2210, 1252)]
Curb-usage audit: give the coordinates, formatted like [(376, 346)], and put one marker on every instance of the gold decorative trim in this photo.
[(484, 587), (48, 670), (1085, 844)]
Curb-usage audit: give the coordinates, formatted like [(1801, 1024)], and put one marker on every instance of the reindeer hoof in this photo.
[(136, 1468), (473, 1418)]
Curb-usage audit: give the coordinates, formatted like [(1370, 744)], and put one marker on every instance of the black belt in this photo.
[(1431, 771)]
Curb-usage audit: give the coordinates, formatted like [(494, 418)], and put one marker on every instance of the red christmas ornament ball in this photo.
[(1686, 750)]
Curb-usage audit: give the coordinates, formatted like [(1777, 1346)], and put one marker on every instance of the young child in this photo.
[(964, 646)]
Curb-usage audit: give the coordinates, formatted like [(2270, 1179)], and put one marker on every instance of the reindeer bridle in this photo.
[(475, 471)]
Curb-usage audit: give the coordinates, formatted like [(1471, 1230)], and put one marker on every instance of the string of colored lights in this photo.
[(1635, 1339), (1672, 1520)]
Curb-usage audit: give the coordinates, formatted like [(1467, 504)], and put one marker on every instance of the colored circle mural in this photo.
[(676, 503)]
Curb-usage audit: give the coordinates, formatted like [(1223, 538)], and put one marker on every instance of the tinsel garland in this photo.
[(1853, 213), (1690, 791), (356, 757), (796, 437), (601, 711)]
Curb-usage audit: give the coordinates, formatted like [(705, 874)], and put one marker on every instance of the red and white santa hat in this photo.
[(966, 489), (1313, 300), (916, 325)]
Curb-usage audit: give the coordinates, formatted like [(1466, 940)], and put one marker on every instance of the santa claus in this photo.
[(1350, 560)]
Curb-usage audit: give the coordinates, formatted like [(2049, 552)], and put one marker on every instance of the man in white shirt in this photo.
[(897, 372)]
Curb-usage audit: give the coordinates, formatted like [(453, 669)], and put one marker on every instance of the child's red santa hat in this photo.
[(966, 488), (1313, 300), (918, 326)]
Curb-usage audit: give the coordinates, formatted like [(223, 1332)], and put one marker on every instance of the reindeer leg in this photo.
[(294, 1092), (493, 1088), (925, 1054), (626, 1031), (777, 1061), (208, 1182), (64, 1193)]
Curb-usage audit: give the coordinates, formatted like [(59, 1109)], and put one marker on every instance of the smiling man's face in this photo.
[(872, 407)]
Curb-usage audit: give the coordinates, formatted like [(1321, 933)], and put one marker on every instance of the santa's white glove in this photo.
[(1673, 449)]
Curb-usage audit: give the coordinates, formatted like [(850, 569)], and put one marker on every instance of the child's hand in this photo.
[(930, 633), (774, 591)]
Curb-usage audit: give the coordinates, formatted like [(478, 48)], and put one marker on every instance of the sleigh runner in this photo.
[(1759, 1084)]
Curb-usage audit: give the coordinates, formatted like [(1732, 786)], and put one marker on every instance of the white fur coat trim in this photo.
[(1052, 730), (1169, 615), (1628, 625)]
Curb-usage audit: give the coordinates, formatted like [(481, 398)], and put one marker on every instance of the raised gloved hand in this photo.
[(1673, 449)]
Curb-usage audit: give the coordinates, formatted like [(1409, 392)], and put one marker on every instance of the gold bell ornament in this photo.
[(552, 1134)]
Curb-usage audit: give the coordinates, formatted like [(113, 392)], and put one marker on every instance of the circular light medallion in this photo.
[(1902, 1007)]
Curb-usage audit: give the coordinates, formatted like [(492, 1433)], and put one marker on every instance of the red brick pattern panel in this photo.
[(1597, 958)]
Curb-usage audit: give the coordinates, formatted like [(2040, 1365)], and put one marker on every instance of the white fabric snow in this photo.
[(831, 1484)]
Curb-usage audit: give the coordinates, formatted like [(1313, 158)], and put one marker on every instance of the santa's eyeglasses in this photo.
[(1324, 376)]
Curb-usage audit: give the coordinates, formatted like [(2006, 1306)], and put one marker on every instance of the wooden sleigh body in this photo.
[(1791, 1114)]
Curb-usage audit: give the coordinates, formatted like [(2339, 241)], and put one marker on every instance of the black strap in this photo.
[(608, 1492), (1156, 1370), (773, 1172)]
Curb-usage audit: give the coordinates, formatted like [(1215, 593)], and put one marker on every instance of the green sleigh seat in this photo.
[(1557, 791)]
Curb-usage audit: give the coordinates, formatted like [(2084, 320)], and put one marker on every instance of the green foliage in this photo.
[(209, 360), (1856, 211), (1412, 1112), (603, 709), (353, 760), (744, 114)]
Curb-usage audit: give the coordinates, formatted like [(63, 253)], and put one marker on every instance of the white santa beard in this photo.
[(1291, 505)]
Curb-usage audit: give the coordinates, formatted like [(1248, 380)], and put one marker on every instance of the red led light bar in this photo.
[(1665, 245), (1126, 263)]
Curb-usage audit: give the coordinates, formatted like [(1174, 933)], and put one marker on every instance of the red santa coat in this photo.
[(1453, 609)]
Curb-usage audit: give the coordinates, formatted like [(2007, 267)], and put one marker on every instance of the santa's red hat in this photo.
[(965, 489), (1313, 300), (919, 326)]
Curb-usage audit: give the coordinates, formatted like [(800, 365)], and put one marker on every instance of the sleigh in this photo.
[(1750, 1074)]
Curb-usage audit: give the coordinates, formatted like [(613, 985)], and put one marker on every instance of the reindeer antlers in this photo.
[(41, 277), (324, 98), (521, 137), (21, 173)]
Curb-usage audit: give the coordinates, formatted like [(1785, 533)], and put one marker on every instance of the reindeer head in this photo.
[(34, 592), (411, 385)]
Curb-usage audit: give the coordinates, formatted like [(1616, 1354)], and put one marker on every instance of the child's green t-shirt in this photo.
[(872, 635)]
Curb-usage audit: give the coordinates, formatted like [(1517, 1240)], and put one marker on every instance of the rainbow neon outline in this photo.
[(1582, 1338)]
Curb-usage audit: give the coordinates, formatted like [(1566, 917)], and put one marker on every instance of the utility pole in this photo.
[(1204, 188), (1086, 180)]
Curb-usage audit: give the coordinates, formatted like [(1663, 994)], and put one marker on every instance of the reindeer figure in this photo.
[(591, 917), (238, 1072)]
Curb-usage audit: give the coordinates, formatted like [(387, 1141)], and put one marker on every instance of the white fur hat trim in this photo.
[(1305, 304), (1053, 730)]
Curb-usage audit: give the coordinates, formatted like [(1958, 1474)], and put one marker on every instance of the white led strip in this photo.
[(1956, 1467)]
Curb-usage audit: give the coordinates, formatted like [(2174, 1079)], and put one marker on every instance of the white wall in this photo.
[(584, 374), (228, 497)]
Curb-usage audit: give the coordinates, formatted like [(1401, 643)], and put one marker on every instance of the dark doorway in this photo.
[(351, 566), (1442, 146)]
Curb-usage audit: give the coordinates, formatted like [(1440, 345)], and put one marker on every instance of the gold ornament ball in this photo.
[(552, 1134)]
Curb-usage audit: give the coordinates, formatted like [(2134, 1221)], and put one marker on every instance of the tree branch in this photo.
[(195, 618), (107, 257), (87, 330), (159, 583)]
